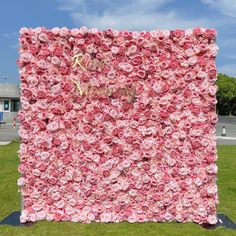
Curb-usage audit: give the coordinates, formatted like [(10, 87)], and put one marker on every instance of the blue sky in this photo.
[(119, 14)]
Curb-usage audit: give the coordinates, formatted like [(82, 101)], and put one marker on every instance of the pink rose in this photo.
[(114, 49), (57, 51), (53, 126), (42, 64), (141, 73), (63, 32), (212, 219), (55, 30), (212, 72), (106, 217), (24, 216), (43, 37), (55, 60), (136, 60), (178, 33), (41, 215), (126, 67), (21, 181), (212, 190), (212, 168)]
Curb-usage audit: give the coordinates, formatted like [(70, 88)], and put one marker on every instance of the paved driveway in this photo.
[(230, 125), (8, 133)]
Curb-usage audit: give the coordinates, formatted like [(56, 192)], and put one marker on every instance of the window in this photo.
[(15, 105), (1, 105), (6, 105)]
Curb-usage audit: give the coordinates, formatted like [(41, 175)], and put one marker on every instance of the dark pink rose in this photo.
[(136, 60), (129, 139), (87, 129), (50, 35), (126, 106), (33, 49), (210, 33), (46, 52), (42, 167), (187, 93), (116, 149), (26, 93), (196, 144), (57, 111), (42, 125), (58, 217), (116, 131), (178, 33), (41, 94), (90, 116), (106, 173), (146, 166), (64, 70), (161, 187), (22, 168), (68, 105), (52, 180), (141, 73), (212, 72), (86, 145), (67, 87), (197, 31), (56, 141), (57, 51)]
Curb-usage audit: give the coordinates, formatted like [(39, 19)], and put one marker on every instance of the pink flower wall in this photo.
[(117, 125)]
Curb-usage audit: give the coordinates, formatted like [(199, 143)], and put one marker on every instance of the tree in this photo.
[(226, 94)]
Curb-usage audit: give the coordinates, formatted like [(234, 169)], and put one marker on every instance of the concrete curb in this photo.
[(5, 143), (226, 138)]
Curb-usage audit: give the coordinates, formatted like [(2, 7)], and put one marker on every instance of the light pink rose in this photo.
[(41, 215), (212, 190), (114, 49), (157, 87), (212, 90), (212, 219), (212, 169), (42, 64), (24, 216), (44, 155), (56, 61), (106, 217), (63, 32), (126, 67), (21, 181), (53, 126), (43, 37), (55, 30)]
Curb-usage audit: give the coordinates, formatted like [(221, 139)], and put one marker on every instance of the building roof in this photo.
[(9, 91)]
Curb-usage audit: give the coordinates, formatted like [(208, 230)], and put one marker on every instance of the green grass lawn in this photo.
[(10, 201)]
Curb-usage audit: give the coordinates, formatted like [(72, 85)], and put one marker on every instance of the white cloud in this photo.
[(132, 15), (228, 42), (9, 35), (229, 69), (6, 35), (226, 7), (15, 45), (230, 56)]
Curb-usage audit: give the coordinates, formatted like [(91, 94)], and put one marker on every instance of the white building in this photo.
[(9, 101)]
